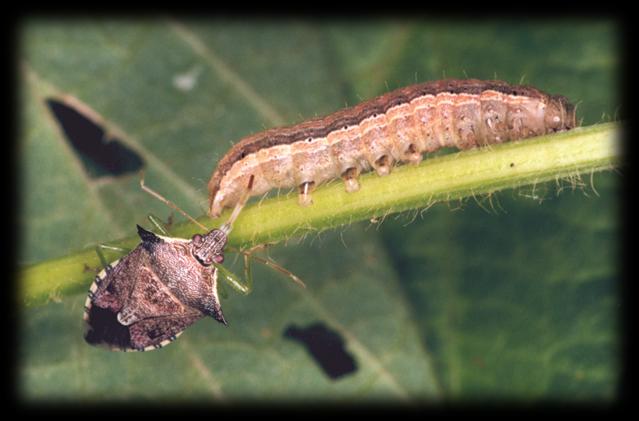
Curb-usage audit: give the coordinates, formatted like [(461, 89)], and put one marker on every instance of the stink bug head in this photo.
[(209, 248)]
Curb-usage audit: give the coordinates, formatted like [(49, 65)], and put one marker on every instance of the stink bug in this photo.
[(146, 299)]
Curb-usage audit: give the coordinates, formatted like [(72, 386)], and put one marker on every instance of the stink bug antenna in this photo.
[(168, 202), (228, 225)]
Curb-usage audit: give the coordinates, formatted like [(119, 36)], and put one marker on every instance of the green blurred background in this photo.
[(509, 298)]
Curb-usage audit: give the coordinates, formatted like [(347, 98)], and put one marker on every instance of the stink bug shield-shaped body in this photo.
[(146, 299)]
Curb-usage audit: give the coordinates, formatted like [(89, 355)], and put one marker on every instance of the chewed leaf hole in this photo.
[(101, 156), (326, 347)]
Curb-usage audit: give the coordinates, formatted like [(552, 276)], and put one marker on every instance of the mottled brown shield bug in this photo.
[(146, 299)]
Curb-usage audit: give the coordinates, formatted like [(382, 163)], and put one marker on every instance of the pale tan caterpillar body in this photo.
[(399, 126)]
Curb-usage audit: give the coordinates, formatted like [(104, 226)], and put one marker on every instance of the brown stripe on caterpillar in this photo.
[(398, 126)]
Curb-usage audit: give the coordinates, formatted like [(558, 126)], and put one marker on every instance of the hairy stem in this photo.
[(453, 176)]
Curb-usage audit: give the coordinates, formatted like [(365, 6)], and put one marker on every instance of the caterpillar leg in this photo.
[(383, 165), (412, 154), (305, 190), (350, 177)]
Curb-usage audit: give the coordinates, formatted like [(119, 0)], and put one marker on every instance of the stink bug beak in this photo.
[(228, 225)]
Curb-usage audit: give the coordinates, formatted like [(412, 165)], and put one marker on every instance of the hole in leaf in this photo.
[(326, 347), (100, 156)]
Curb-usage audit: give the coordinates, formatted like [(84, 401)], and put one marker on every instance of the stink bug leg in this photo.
[(103, 262), (157, 222), (249, 255), (245, 286), (98, 251)]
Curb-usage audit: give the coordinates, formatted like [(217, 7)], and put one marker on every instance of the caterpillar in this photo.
[(399, 126)]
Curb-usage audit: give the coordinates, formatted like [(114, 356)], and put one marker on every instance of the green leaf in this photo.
[(513, 301)]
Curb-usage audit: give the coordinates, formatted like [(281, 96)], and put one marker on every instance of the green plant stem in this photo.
[(453, 176)]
